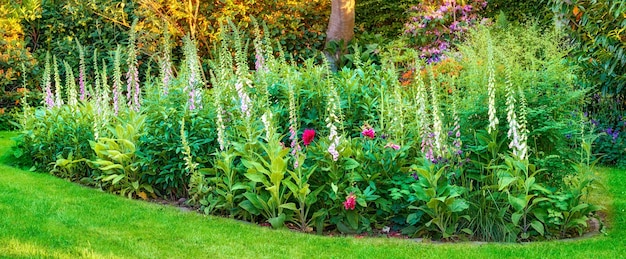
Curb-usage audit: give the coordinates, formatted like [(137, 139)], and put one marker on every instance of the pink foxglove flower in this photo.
[(392, 145)]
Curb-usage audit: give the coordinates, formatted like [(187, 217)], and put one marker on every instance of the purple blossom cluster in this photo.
[(244, 99), (614, 134), (434, 28)]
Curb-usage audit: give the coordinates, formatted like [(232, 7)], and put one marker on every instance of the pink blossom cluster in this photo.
[(441, 25)]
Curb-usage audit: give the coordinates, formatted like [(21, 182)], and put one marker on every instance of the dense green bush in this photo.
[(596, 29), (537, 11), (383, 17)]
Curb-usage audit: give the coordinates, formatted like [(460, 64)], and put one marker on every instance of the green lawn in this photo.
[(43, 216)]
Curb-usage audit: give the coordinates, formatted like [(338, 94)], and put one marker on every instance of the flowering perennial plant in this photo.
[(194, 77), (293, 125), (81, 71), (393, 146), (165, 62), (97, 94), (517, 143), (308, 136), (117, 82), (350, 202), (70, 85), (437, 130), (436, 28), (368, 131), (58, 102), (47, 82), (219, 110), (244, 99), (333, 118), (491, 88), (132, 76)]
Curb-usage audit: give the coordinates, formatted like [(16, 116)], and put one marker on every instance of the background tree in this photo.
[(340, 28)]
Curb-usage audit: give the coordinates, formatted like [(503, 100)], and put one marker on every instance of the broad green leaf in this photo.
[(278, 222), (517, 203), (289, 206), (504, 182), (458, 205), (350, 164), (111, 167), (118, 178), (276, 177), (537, 226), (256, 177), (515, 218)]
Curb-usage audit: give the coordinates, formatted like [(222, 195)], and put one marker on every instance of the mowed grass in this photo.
[(43, 216)]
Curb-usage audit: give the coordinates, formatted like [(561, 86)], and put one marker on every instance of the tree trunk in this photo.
[(340, 27)]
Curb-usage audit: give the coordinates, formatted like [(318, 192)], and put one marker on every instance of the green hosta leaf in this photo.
[(249, 207), (292, 187), (582, 221), (118, 178), (541, 214), (111, 167), (239, 186), (579, 207), (289, 206), (515, 218), (529, 183), (109, 177), (255, 165), (102, 163), (256, 177), (504, 182), (278, 222), (352, 219), (413, 218), (517, 203), (350, 164), (279, 166), (458, 205), (277, 177), (537, 226), (467, 231)]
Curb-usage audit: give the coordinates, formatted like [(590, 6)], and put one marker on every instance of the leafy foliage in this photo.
[(596, 28)]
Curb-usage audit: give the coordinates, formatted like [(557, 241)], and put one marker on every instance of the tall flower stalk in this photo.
[(97, 88), (117, 82), (132, 76), (293, 124), (437, 136), (491, 88), (194, 76), (47, 82), (219, 112), (422, 117), (58, 88), (398, 119), (244, 100), (333, 119), (81, 71), (166, 63), (518, 143), (70, 85)]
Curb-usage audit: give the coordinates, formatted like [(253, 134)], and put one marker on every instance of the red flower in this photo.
[(350, 202), (307, 136), (369, 132)]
